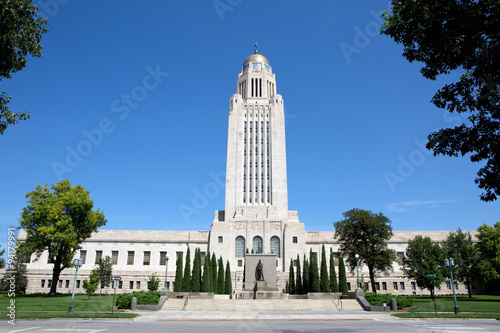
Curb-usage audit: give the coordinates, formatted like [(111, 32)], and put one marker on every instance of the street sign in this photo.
[(115, 284), (116, 278), (431, 276)]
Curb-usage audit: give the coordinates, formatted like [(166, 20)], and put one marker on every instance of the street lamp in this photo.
[(77, 263), (166, 272), (357, 267), (449, 263)]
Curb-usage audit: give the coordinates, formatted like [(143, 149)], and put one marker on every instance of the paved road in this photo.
[(129, 326)]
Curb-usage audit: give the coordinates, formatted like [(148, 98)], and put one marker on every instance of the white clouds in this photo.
[(400, 207)]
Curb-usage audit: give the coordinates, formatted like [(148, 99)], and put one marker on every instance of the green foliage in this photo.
[(178, 274), (104, 272), (423, 257), (196, 276), (58, 221), (298, 278), (21, 33), (2, 260), (489, 255), (342, 276), (153, 282), (91, 285), (213, 270), (366, 234), (143, 297), (305, 277), (334, 286), (314, 273), (462, 37), (186, 283), (221, 286), (459, 246), (379, 300), (291, 279), (324, 281), (228, 284), (14, 279), (287, 287), (206, 282)]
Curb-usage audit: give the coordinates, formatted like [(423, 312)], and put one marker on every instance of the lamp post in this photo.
[(357, 268), (77, 263), (166, 272), (449, 263)]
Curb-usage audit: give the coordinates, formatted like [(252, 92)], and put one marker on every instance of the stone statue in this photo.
[(260, 271), (255, 48)]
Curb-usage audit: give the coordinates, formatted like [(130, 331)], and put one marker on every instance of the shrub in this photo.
[(379, 299), (143, 297)]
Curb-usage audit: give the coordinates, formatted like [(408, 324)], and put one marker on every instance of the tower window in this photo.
[(257, 244)]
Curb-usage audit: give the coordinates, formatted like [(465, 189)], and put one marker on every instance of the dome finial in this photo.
[(255, 48)]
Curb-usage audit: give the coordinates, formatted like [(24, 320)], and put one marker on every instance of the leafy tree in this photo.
[(324, 281), (291, 278), (153, 282), (342, 276), (489, 255), (15, 276), (314, 273), (104, 272), (228, 284), (221, 287), (21, 32), (2, 260), (196, 276), (305, 277), (178, 274), (458, 36), (334, 287), (298, 278), (58, 221), (423, 257), (213, 270), (90, 286), (206, 282), (186, 283), (460, 246), (366, 234)]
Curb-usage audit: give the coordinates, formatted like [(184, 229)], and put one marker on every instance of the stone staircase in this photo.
[(263, 304)]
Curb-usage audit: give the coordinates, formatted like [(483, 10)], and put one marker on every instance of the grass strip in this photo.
[(49, 315), (450, 315)]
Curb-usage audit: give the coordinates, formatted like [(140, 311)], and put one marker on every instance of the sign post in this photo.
[(115, 280), (433, 278)]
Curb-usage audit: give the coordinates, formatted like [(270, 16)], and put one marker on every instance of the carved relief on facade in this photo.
[(275, 225), (256, 225)]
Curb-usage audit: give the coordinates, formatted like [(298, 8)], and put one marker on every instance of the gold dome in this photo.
[(256, 57)]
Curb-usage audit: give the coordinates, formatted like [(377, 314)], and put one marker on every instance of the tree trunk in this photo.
[(55, 279), (468, 285), (372, 279)]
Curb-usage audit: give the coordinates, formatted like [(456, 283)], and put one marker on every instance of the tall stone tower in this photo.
[(256, 217)]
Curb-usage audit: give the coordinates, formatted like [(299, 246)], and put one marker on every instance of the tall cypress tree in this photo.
[(227, 281), (291, 278), (314, 273), (334, 287), (213, 269), (298, 278), (206, 282), (324, 281), (305, 276), (178, 274), (186, 282), (342, 276), (220, 278), (196, 276)]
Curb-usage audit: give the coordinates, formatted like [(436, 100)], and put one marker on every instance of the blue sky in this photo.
[(140, 91)]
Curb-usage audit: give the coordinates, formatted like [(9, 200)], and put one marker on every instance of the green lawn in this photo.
[(478, 303), (42, 306)]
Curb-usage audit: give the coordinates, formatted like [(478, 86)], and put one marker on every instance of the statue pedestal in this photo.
[(261, 285)]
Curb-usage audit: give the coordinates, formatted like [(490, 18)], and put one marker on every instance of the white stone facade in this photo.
[(256, 216)]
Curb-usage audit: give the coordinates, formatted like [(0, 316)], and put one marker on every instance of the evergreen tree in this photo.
[(220, 278), (305, 276), (287, 287), (314, 273), (291, 278), (227, 281), (178, 274), (206, 282), (186, 282), (298, 278), (15, 276), (196, 276), (334, 286), (324, 281), (342, 276), (213, 270)]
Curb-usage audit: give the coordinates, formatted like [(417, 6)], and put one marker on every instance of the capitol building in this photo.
[(255, 219)]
